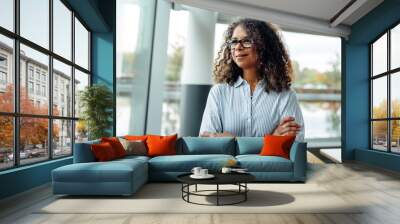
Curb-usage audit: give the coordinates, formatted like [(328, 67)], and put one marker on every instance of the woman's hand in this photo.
[(287, 127), (212, 134)]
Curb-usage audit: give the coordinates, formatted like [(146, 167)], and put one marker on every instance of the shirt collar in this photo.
[(238, 82)]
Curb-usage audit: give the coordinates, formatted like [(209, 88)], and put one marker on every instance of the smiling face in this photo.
[(244, 57)]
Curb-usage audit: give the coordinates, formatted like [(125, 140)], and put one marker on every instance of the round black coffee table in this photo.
[(238, 179)]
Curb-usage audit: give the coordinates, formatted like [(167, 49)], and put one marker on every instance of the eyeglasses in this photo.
[(246, 43)]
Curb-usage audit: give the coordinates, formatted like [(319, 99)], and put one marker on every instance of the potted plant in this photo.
[(96, 103)]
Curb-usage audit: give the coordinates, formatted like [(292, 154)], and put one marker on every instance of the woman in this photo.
[(253, 95)]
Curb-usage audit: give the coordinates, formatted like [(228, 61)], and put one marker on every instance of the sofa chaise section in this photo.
[(272, 168), (87, 177)]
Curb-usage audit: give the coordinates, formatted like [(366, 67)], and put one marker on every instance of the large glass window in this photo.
[(33, 140), (135, 20), (7, 14), (81, 82), (6, 142), (385, 94), (6, 74), (316, 61), (395, 47), (81, 45), (62, 89), (62, 29), (44, 80), (35, 21), (40, 62), (62, 137)]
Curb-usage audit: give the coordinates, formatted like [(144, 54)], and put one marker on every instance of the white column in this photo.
[(199, 50), (196, 78)]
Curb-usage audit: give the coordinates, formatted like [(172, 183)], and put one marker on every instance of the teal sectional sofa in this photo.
[(125, 176)]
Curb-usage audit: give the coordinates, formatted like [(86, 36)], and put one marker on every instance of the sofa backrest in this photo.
[(190, 146), (249, 145), (83, 152), (204, 145)]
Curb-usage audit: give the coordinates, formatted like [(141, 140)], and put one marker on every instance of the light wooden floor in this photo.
[(377, 188)]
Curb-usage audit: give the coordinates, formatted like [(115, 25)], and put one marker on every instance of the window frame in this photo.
[(16, 114), (388, 74)]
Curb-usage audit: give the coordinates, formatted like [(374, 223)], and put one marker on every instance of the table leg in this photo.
[(217, 194), (245, 193)]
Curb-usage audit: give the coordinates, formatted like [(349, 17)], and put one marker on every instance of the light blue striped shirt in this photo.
[(233, 109)]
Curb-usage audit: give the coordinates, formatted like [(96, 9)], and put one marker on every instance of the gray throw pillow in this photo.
[(137, 148)]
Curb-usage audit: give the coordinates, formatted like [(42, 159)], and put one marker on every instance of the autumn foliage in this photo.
[(33, 131), (380, 127)]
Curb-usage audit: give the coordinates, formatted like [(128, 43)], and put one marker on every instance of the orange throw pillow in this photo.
[(136, 137), (277, 145), (103, 152), (161, 145), (116, 145)]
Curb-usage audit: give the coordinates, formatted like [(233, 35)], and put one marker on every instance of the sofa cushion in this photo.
[(103, 152), (199, 145), (111, 171), (257, 163), (249, 145), (135, 147), (185, 163), (161, 145), (277, 145), (116, 145)]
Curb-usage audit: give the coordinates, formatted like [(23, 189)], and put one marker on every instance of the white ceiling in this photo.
[(320, 9), (309, 16)]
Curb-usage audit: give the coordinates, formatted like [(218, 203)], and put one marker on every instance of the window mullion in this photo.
[(389, 108), (73, 82), (50, 81), (16, 69)]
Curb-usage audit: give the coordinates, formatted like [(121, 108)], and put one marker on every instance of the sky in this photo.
[(35, 27)]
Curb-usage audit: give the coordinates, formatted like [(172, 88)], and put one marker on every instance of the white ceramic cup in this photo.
[(196, 170), (203, 172), (226, 170)]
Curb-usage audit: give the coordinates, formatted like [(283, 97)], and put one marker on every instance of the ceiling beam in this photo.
[(346, 12), (285, 20)]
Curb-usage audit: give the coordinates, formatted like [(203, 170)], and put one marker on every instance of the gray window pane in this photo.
[(81, 82), (379, 135), (7, 14), (6, 142), (395, 47), (379, 98), (62, 89), (62, 29), (34, 70), (395, 136), (395, 94), (81, 45), (35, 21), (379, 55), (34, 144), (6, 74), (62, 138)]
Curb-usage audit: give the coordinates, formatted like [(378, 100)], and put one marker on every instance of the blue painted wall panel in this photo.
[(376, 158), (102, 58), (24, 178), (103, 62), (356, 80)]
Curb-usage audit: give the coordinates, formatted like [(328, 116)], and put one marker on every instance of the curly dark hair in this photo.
[(274, 65)]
